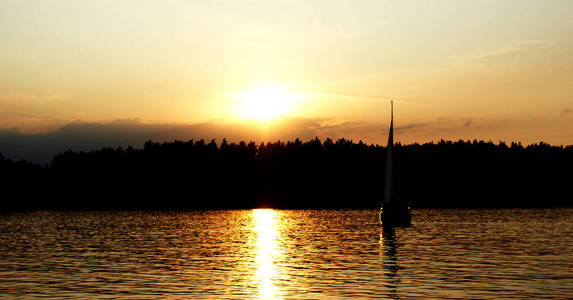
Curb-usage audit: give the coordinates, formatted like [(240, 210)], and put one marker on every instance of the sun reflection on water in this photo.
[(266, 228)]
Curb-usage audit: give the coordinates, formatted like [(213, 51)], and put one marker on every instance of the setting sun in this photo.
[(264, 103)]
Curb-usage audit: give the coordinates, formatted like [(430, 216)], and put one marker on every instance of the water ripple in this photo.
[(287, 254)]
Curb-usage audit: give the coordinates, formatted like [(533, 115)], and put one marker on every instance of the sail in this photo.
[(389, 175)]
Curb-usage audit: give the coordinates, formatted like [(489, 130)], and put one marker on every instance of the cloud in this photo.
[(15, 114), (86, 136), (517, 50), (412, 126), (12, 131), (28, 121), (36, 98)]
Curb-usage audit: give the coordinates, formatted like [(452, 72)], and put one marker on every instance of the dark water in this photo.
[(287, 254)]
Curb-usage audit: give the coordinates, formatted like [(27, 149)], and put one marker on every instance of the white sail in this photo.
[(389, 175)]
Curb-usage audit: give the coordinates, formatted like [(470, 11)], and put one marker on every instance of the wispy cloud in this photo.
[(362, 97), (526, 46), (16, 114)]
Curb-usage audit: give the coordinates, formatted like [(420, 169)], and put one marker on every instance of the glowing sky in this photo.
[(456, 69)]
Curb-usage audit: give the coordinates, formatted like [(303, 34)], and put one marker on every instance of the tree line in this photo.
[(196, 174)]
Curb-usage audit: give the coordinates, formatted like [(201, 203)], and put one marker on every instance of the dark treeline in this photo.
[(312, 174)]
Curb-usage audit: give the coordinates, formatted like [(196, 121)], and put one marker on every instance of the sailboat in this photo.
[(394, 210)]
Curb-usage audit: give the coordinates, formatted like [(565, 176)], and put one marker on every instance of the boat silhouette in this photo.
[(394, 211)]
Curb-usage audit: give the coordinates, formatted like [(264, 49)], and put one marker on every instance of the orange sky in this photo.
[(499, 70)]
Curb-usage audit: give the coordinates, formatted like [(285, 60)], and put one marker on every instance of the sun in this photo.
[(264, 103)]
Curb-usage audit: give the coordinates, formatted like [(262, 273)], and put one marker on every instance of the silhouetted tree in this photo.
[(295, 174)]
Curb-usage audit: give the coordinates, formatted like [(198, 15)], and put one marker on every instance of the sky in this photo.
[(492, 70)]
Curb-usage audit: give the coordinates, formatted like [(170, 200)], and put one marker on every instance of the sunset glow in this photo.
[(265, 102), (491, 70)]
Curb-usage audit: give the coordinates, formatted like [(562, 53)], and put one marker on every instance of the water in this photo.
[(287, 254)]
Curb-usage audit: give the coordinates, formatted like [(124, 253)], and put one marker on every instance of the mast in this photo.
[(389, 174), (395, 210)]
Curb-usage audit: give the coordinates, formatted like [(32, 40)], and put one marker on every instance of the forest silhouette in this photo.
[(313, 174)]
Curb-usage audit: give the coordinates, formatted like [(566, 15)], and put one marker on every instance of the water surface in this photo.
[(287, 254)]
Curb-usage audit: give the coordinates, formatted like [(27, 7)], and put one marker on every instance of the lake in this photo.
[(505, 253)]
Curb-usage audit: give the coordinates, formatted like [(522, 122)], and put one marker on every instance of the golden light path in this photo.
[(266, 228)]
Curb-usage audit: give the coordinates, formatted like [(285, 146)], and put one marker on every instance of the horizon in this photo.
[(89, 136)]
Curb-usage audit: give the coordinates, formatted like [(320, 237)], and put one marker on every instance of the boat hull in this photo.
[(395, 215)]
